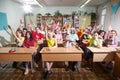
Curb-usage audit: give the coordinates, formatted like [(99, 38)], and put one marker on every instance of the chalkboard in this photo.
[(3, 21)]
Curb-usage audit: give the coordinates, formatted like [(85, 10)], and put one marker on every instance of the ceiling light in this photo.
[(27, 8), (38, 3), (86, 2)]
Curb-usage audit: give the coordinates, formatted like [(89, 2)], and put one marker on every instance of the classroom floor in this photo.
[(59, 73)]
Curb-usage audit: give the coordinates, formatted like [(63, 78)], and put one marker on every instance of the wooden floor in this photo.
[(99, 73)]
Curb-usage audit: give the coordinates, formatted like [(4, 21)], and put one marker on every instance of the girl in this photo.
[(19, 36), (51, 43), (114, 39), (19, 39), (97, 42), (71, 40), (58, 36), (29, 42)]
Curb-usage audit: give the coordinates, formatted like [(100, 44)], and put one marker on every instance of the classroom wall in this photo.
[(111, 19), (15, 12), (63, 10)]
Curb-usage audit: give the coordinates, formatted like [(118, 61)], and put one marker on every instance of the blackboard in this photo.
[(3, 21)]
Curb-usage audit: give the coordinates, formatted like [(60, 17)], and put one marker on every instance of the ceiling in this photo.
[(48, 3)]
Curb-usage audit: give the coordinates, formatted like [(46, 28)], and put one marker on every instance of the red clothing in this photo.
[(28, 43), (36, 35)]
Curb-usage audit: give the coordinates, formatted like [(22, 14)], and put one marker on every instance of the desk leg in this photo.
[(78, 66), (43, 66), (32, 63)]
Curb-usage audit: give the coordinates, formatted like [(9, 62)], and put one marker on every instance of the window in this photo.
[(103, 16)]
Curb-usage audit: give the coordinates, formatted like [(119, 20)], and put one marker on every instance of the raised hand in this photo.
[(9, 27), (21, 23)]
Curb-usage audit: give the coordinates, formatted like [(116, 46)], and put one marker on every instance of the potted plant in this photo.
[(57, 13), (48, 14)]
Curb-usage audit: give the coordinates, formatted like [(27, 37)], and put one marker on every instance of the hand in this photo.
[(108, 45), (9, 27), (22, 25)]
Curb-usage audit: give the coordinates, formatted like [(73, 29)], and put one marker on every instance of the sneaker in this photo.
[(47, 74), (67, 68), (33, 70), (36, 65), (73, 68), (26, 71)]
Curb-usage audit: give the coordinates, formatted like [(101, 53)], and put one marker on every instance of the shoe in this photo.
[(47, 74), (73, 68), (26, 71), (33, 70), (14, 65), (67, 68), (36, 65)]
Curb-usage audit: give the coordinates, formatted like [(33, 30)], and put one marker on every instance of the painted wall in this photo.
[(14, 13), (63, 10)]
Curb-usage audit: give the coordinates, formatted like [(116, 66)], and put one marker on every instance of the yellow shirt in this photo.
[(22, 40), (51, 42)]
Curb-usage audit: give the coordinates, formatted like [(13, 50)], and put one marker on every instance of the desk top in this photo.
[(18, 50), (61, 50), (102, 49)]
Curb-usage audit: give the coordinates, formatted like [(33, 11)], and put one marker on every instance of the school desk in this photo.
[(62, 54)]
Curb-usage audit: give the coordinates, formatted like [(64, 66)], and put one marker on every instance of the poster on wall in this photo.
[(3, 21), (115, 4)]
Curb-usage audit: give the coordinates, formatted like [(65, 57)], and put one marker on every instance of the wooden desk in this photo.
[(61, 54), (117, 63), (21, 54), (103, 54)]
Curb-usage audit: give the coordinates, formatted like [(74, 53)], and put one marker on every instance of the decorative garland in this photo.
[(114, 7)]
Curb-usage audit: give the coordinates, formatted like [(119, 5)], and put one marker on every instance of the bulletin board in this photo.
[(3, 21)]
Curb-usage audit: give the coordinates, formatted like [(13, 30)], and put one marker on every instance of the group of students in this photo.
[(81, 38)]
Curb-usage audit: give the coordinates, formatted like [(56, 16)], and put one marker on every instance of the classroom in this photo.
[(59, 39)]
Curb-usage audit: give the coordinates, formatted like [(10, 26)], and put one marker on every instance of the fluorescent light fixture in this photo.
[(38, 3), (27, 8), (85, 3)]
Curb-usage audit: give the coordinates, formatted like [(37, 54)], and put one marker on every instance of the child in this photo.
[(71, 40), (52, 43), (19, 39), (28, 42)]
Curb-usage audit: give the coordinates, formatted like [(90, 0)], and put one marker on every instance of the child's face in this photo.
[(50, 35), (102, 33), (18, 34), (28, 35), (113, 34), (24, 32), (96, 35), (72, 32)]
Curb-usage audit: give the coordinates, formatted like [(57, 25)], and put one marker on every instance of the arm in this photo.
[(75, 44), (115, 42), (55, 44), (14, 33), (46, 36), (32, 24), (21, 24)]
